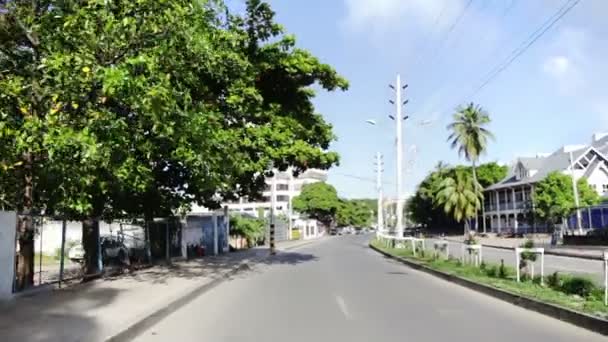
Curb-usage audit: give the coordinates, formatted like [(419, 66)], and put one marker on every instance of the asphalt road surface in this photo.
[(340, 290), (593, 269)]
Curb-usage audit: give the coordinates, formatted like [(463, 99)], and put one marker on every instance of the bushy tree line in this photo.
[(320, 201)]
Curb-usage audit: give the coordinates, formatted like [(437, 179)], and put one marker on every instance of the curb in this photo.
[(579, 319), (547, 252), (140, 326)]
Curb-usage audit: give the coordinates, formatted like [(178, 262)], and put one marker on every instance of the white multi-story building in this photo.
[(506, 202), (286, 188)]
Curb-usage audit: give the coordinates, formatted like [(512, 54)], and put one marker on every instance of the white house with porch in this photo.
[(506, 202)]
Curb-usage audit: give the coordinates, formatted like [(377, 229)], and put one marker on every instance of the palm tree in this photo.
[(460, 197), (470, 136)]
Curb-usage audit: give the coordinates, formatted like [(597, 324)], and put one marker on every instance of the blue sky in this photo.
[(554, 94)]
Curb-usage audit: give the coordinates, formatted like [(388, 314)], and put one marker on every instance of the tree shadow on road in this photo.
[(60, 315), (215, 267)]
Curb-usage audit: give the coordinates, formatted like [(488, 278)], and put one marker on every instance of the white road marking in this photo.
[(342, 305)]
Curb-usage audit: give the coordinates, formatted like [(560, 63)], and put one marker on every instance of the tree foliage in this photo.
[(553, 197), (140, 108), (250, 228), (422, 207), (459, 196), (318, 201), (470, 135), (355, 213)]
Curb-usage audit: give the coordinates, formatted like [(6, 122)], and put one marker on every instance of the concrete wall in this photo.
[(8, 225), (51, 234)]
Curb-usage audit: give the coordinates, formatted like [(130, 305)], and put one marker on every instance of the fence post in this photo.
[(61, 261), (39, 255), (589, 217), (167, 247)]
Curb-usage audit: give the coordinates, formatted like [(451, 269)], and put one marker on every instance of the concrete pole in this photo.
[(290, 211), (273, 188), (576, 203), (398, 120), (380, 225), (215, 234)]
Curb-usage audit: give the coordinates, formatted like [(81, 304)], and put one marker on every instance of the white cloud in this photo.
[(391, 15), (576, 64), (557, 66)]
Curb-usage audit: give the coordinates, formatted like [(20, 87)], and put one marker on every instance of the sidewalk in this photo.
[(585, 252), (105, 308), (99, 310)]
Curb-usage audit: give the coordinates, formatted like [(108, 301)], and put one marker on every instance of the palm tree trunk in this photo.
[(475, 185)]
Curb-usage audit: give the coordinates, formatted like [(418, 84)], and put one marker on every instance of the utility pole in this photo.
[(289, 210), (579, 225), (273, 187), (398, 88), (379, 170)]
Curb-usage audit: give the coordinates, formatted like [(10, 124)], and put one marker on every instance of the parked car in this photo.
[(112, 249), (76, 253)]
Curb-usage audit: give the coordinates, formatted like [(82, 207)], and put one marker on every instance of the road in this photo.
[(340, 290), (593, 269)]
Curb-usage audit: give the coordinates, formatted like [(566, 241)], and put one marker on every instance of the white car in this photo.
[(76, 253), (111, 249)]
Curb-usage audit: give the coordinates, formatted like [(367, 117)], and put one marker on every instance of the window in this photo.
[(282, 198), (266, 198), (604, 188), (282, 186)]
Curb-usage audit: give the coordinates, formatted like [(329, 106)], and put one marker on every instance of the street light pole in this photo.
[(398, 118), (379, 227)]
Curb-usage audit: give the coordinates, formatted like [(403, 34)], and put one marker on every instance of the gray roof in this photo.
[(601, 145), (557, 161)]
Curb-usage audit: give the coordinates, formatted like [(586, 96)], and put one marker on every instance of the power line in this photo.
[(525, 45), (428, 36), (482, 41), (360, 178), (451, 28), (532, 39)]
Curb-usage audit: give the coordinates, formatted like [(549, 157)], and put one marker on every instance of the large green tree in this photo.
[(459, 197), (318, 201), (553, 197), (122, 108), (469, 134)]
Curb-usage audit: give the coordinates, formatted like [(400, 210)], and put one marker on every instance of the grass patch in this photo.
[(567, 291), (46, 259)]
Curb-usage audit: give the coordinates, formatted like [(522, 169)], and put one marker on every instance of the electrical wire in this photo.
[(534, 39), (524, 46)]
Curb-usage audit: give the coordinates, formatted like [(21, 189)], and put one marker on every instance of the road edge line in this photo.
[(135, 329), (576, 318)]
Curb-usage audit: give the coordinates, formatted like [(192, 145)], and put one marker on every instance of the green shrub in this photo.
[(502, 270), (492, 272), (482, 266), (578, 286), (554, 281)]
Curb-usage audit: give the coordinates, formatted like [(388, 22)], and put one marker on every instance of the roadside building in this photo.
[(507, 202)]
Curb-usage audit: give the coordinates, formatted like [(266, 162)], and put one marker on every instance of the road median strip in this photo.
[(580, 319)]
